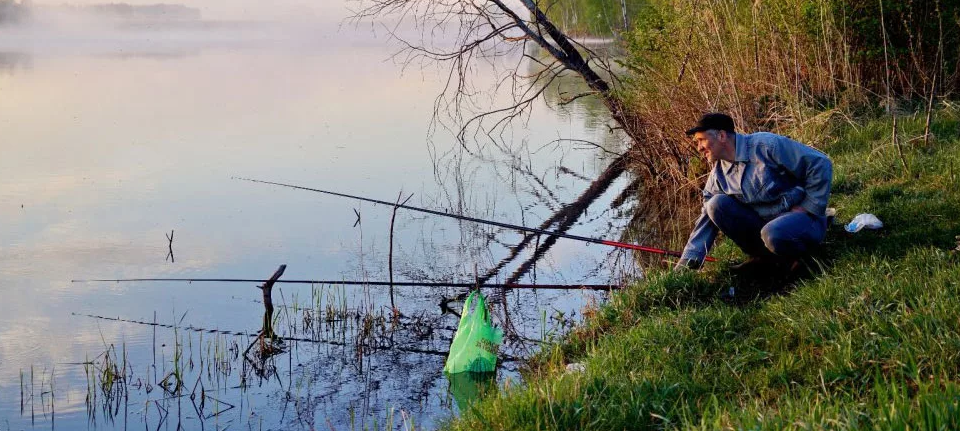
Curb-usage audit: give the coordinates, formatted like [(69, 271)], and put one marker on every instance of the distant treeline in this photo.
[(12, 11), (169, 12)]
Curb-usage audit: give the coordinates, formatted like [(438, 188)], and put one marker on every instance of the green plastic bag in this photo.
[(475, 344)]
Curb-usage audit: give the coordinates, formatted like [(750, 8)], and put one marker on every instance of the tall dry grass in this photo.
[(795, 67)]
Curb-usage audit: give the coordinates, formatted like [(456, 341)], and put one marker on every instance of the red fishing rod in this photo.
[(488, 222)]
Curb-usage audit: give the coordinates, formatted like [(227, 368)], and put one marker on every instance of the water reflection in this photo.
[(171, 54), (108, 150), (335, 364)]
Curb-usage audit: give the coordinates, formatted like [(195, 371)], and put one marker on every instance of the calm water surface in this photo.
[(111, 140)]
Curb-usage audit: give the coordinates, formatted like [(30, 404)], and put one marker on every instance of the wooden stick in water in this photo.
[(267, 288)]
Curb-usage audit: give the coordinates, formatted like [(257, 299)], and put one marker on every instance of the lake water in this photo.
[(110, 140)]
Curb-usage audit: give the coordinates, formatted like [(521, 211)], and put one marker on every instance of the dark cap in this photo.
[(713, 121)]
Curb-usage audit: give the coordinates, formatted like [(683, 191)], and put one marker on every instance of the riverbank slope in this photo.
[(870, 340)]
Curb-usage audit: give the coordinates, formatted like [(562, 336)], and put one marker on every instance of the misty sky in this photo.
[(246, 9)]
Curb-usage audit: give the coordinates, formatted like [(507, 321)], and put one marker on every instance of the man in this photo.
[(766, 192)]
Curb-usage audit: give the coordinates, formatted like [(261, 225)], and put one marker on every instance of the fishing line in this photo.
[(488, 222)]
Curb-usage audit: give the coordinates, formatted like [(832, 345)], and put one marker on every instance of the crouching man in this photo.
[(766, 192)]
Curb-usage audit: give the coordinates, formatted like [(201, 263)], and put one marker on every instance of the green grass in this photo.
[(870, 342)]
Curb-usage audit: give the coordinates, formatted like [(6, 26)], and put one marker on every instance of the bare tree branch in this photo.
[(463, 34)]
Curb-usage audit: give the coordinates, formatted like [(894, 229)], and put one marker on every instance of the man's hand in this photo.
[(798, 209)]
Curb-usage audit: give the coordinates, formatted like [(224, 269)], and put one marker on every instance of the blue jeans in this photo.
[(789, 235)]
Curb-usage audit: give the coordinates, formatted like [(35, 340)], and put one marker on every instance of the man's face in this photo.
[(710, 144)]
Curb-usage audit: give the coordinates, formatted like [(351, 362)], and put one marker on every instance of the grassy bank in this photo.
[(872, 340)]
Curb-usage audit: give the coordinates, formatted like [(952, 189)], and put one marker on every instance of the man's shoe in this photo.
[(803, 267), (755, 264)]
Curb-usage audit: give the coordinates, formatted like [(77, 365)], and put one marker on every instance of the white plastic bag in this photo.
[(861, 221)]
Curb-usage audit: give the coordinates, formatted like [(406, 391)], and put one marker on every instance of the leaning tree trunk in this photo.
[(492, 21), (565, 52)]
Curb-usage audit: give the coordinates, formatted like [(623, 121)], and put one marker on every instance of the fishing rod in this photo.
[(488, 222), (365, 283), (408, 349)]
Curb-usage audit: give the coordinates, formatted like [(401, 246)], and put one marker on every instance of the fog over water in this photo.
[(113, 133), (329, 11)]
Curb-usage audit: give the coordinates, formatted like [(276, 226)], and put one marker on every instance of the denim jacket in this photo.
[(771, 174)]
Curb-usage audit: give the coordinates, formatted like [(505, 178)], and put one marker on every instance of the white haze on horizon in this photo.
[(242, 10), (71, 27)]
